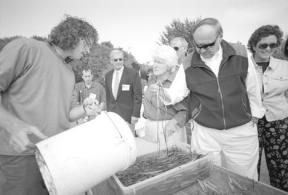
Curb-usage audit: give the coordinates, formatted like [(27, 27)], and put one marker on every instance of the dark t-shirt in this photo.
[(264, 65)]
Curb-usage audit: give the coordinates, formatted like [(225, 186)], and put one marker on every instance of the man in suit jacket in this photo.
[(123, 89)]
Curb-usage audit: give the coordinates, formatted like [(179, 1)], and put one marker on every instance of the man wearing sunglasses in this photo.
[(225, 100), (123, 89), (180, 45)]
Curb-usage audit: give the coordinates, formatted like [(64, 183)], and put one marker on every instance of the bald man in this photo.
[(225, 100)]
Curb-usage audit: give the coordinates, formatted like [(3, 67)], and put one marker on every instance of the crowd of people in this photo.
[(235, 99)]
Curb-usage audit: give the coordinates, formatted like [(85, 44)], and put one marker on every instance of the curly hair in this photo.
[(264, 31), (68, 33)]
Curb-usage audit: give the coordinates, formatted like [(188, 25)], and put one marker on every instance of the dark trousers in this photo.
[(273, 138), (20, 175)]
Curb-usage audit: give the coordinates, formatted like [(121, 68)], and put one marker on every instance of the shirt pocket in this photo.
[(280, 77), (279, 82)]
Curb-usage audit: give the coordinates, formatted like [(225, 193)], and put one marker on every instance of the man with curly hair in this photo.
[(36, 85)]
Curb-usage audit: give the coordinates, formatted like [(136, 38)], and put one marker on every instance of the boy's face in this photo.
[(87, 77)]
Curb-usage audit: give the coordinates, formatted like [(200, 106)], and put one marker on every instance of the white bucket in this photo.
[(81, 157)]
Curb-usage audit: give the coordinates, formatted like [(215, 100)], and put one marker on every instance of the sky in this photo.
[(136, 25)]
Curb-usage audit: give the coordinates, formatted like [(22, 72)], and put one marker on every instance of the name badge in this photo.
[(125, 87)]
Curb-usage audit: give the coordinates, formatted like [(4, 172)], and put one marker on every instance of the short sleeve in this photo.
[(13, 60)]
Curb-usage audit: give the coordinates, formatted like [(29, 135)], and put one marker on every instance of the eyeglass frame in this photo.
[(206, 46), (266, 45), (118, 59)]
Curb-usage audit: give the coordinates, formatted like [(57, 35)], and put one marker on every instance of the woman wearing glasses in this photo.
[(164, 124), (273, 79)]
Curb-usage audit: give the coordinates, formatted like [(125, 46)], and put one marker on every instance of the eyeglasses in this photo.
[(118, 59), (176, 48), (265, 45), (205, 46)]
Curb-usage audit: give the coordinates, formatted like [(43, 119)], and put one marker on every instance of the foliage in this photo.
[(39, 38), (98, 61), (5, 41), (178, 28)]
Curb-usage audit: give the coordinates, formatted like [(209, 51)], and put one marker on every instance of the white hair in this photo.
[(167, 55), (179, 40)]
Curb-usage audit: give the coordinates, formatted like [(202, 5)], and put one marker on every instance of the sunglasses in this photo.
[(205, 46), (265, 45), (118, 59)]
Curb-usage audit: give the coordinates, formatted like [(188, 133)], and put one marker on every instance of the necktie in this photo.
[(116, 83)]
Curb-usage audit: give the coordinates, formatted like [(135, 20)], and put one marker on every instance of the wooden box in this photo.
[(170, 181), (199, 177), (224, 182)]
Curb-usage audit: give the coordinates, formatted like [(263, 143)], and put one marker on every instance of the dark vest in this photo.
[(220, 103)]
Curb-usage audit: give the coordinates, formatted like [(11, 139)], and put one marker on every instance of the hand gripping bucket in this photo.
[(79, 158)]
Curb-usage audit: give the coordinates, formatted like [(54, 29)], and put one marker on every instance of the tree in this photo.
[(178, 28), (107, 44), (39, 38), (5, 41), (99, 61)]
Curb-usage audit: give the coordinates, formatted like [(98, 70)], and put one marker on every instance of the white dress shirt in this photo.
[(120, 72)]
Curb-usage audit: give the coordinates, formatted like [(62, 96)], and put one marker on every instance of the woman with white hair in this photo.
[(164, 124)]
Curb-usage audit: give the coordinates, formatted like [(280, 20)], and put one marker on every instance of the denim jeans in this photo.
[(20, 175)]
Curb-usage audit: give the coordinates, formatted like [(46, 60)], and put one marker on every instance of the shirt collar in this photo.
[(272, 64), (216, 57), (91, 86), (120, 70)]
